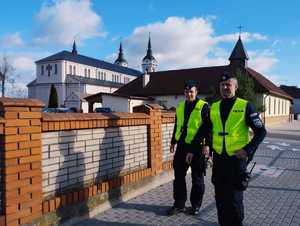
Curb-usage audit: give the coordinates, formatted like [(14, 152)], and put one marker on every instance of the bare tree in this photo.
[(6, 73)]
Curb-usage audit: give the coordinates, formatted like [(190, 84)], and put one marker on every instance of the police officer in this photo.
[(231, 118), (192, 118)]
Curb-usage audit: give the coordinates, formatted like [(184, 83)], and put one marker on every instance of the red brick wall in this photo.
[(21, 126), (21, 142)]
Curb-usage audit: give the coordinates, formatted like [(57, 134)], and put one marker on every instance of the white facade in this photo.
[(121, 104), (56, 72), (276, 106)]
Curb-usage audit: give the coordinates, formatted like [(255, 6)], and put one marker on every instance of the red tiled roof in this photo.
[(172, 82)]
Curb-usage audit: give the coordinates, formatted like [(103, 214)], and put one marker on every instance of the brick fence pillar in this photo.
[(155, 155), (21, 146)]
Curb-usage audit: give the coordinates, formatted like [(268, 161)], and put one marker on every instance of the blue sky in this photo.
[(184, 34)]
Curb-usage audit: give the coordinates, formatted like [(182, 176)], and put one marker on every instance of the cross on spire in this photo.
[(240, 30), (49, 68)]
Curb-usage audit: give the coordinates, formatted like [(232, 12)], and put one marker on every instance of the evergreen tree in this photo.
[(246, 89), (53, 99), (213, 95)]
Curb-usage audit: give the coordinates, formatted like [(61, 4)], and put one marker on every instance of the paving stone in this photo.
[(268, 200)]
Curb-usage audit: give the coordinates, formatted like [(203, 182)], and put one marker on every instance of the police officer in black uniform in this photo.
[(189, 152), (229, 166)]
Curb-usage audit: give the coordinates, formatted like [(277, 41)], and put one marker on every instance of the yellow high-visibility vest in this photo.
[(193, 124), (236, 132)]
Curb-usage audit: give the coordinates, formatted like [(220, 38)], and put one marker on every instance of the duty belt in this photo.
[(222, 133)]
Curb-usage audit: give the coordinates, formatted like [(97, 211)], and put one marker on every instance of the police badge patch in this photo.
[(257, 123)]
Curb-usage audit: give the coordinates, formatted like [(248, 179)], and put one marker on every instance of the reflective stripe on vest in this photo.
[(194, 122), (236, 133)]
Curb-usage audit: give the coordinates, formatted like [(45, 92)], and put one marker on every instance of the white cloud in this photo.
[(177, 42), (24, 70), (12, 40), (246, 37), (262, 61), (62, 20), (182, 43)]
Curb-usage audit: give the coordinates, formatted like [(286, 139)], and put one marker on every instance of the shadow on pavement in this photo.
[(158, 210), (95, 222)]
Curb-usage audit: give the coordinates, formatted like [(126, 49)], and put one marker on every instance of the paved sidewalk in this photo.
[(285, 130), (273, 197)]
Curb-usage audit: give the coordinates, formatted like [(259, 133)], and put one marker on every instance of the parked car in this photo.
[(103, 110), (59, 110)]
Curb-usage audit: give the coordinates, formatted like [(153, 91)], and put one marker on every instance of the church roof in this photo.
[(93, 81), (239, 51), (81, 59), (172, 82)]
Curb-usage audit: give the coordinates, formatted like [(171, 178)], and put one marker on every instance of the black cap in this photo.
[(225, 76), (190, 84)]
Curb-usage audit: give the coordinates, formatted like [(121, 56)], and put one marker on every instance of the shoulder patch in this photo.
[(257, 123)]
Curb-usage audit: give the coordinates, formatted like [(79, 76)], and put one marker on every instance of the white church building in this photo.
[(76, 76)]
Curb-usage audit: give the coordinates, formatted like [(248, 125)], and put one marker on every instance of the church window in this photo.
[(55, 68), (274, 106), (104, 76), (89, 73), (269, 105), (42, 70), (70, 69), (74, 70), (85, 72)]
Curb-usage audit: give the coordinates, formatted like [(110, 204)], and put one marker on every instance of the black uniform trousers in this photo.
[(179, 183), (227, 177)]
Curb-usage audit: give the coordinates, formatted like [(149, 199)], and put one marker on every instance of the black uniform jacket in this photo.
[(228, 168), (202, 135)]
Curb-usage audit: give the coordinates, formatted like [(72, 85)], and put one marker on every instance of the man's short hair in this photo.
[(190, 84)]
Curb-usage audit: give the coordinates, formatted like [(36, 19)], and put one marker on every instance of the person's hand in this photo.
[(189, 158), (172, 148), (205, 150), (241, 154), (209, 162)]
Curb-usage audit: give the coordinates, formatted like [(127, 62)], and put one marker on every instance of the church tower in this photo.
[(121, 60), (149, 63), (239, 56)]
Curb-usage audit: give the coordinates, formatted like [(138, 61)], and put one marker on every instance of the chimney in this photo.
[(146, 79)]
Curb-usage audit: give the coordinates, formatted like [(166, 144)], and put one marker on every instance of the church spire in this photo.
[(149, 63), (121, 60), (74, 49), (149, 55), (239, 55)]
